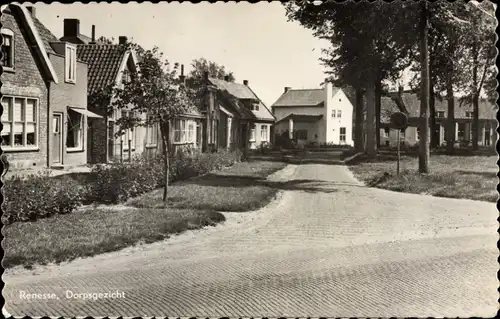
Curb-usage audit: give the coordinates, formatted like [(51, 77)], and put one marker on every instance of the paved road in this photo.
[(329, 247)]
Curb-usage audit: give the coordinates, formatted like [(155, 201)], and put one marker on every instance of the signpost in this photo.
[(399, 121)]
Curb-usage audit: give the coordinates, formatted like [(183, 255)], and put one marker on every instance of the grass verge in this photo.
[(90, 231), (468, 177)]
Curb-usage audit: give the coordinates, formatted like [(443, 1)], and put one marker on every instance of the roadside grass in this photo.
[(90, 232), (468, 177), (94, 230), (233, 189)]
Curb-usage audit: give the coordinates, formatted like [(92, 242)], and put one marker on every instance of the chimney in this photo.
[(93, 33), (245, 82), (122, 40), (226, 78), (287, 88), (182, 78), (32, 10), (71, 27)]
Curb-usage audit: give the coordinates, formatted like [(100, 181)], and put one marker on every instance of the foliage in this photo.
[(42, 196)]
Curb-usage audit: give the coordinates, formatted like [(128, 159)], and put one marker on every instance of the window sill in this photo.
[(8, 149), (70, 81), (9, 69), (151, 145), (74, 150)]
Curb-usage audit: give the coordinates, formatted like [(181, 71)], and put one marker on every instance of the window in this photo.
[(151, 133), (301, 134), (255, 107), (252, 133), (386, 132), (184, 131), (403, 133), (8, 49), (129, 133), (440, 114), (333, 113), (418, 133), (20, 125), (342, 135), (469, 114), (339, 113), (74, 137), (70, 64), (461, 131), (263, 133)]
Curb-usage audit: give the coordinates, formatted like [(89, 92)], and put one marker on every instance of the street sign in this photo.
[(399, 120)]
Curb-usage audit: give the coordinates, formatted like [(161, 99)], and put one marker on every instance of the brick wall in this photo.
[(26, 81)]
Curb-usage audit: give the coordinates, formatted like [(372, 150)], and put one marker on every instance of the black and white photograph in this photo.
[(265, 159)]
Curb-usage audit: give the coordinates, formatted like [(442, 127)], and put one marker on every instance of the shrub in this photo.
[(39, 196)]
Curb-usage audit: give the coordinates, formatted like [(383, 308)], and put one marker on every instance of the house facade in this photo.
[(409, 103), (44, 95), (235, 116), (108, 66), (320, 116)]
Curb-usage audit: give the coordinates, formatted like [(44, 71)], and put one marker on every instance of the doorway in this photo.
[(57, 138)]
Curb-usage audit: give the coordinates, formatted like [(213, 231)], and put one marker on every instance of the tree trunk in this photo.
[(475, 98), (378, 101), (423, 160), (450, 131), (358, 126), (165, 129), (371, 140)]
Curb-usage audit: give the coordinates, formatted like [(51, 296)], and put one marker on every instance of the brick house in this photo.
[(234, 116), (409, 103), (320, 116)]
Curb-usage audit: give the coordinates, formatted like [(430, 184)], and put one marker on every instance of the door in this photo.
[(57, 144)]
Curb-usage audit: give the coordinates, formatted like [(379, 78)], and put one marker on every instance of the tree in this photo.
[(104, 40), (155, 96), (366, 49), (202, 65)]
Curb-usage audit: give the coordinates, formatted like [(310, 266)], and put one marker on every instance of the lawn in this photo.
[(469, 177), (90, 231)]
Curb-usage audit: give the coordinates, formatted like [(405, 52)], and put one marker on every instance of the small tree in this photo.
[(154, 95)]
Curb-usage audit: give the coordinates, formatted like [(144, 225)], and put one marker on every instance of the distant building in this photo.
[(322, 116)]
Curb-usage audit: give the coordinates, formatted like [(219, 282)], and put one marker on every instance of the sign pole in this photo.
[(399, 145)]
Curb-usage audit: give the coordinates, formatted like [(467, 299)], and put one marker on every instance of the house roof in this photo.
[(412, 103), (239, 91), (387, 106), (303, 97), (104, 61), (81, 38), (40, 35)]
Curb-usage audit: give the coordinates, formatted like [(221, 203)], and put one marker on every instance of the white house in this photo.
[(323, 116)]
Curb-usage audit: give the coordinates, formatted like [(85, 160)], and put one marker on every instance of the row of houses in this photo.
[(50, 120)]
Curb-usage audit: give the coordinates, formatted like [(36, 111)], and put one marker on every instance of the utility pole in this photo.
[(424, 152)]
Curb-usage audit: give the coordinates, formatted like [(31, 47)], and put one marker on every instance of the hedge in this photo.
[(41, 195)]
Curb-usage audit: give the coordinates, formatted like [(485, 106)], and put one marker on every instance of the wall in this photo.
[(320, 126), (333, 124), (26, 81), (62, 96)]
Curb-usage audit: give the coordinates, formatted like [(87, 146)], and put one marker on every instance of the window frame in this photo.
[(9, 33), (70, 64), (151, 133), (334, 113), (339, 114), (439, 113), (264, 129), (343, 136), (387, 132), (11, 122), (81, 138)]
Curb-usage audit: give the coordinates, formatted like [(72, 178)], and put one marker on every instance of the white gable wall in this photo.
[(333, 124)]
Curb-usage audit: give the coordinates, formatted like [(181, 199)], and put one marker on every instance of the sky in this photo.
[(254, 41)]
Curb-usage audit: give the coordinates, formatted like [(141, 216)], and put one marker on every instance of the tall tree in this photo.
[(154, 95)]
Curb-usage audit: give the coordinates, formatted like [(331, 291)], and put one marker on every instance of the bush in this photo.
[(39, 196)]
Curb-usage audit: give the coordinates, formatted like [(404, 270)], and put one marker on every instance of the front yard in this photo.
[(92, 230), (468, 177)]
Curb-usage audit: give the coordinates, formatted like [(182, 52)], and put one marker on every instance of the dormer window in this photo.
[(255, 106), (70, 64), (7, 49)]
